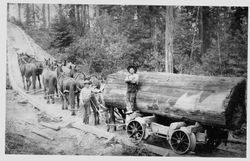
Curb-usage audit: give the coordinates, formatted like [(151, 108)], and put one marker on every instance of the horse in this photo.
[(68, 90), (31, 68), (49, 79), (38, 72), (28, 70)]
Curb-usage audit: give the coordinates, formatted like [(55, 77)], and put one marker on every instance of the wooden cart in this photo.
[(185, 109)]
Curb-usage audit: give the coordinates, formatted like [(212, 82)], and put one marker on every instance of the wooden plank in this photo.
[(93, 130), (42, 135), (50, 126)]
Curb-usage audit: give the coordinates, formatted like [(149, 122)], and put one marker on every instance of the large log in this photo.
[(213, 101)]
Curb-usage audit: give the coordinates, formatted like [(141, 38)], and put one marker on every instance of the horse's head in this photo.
[(46, 62), (59, 70), (50, 65), (39, 65), (72, 71)]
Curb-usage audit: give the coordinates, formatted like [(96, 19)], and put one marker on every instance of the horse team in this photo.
[(65, 80)]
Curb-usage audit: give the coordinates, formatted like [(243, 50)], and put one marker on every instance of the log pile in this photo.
[(212, 101)]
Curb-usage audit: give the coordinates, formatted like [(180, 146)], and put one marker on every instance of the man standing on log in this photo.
[(132, 80)]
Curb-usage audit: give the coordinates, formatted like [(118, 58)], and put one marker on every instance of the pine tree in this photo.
[(62, 37)]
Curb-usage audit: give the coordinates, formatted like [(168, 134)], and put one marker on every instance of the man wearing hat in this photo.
[(132, 80), (87, 99), (85, 96)]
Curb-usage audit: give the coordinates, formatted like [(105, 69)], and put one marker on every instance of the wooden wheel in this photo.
[(135, 131), (180, 142)]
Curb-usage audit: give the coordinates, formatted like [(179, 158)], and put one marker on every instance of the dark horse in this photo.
[(49, 78), (68, 90), (31, 69)]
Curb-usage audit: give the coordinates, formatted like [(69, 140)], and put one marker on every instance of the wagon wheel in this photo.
[(181, 142), (135, 131)]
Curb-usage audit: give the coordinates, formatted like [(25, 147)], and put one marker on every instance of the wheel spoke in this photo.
[(185, 140), (185, 143), (174, 138), (137, 125)]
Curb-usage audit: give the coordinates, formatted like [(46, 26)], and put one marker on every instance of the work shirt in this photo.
[(86, 93), (132, 81)]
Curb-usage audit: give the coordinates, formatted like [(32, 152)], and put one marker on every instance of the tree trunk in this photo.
[(87, 18), (218, 45), (83, 19), (34, 14), (8, 11), (78, 18), (44, 16), (60, 11), (73, 14), (19, 12), (48, 6), (154, 28), (169, 39), (201, 30), (97, 13), (193, 40), (211, 101), (27, 14)]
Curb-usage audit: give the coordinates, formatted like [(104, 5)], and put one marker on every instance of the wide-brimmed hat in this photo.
[(131, 66), (87, 82)]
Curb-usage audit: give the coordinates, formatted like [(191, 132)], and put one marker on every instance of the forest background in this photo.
[(102, 39)]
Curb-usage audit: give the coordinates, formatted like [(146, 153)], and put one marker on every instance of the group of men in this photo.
[(88, 91)]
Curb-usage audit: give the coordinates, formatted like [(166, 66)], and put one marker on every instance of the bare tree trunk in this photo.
[(192, 46), (48, 6), (97, 13), (60, 11), (19, 12), (87, 17), (154, 29), (8, 11), (218, 45), (73, 14), (83, 18), (44, 16), (201, 31), (78, 18), (33, 14), (169, 40), (27, 14), (122, 17)]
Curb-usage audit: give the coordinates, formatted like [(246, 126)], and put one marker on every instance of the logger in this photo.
[(184, 109)]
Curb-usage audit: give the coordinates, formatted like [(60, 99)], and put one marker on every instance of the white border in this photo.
[(3, 33)]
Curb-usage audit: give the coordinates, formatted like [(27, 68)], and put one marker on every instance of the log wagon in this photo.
[(185, 109)]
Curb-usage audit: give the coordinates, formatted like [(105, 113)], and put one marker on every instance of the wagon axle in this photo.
[(181, 137)]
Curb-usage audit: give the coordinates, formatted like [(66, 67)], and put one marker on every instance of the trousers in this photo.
[(130, 101)]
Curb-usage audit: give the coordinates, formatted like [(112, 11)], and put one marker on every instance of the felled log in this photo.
[(213, 101)]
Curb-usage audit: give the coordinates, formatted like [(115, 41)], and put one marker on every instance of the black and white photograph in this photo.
[(125, 79)]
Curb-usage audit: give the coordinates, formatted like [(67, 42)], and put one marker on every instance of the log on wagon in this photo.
[(211, 101)]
